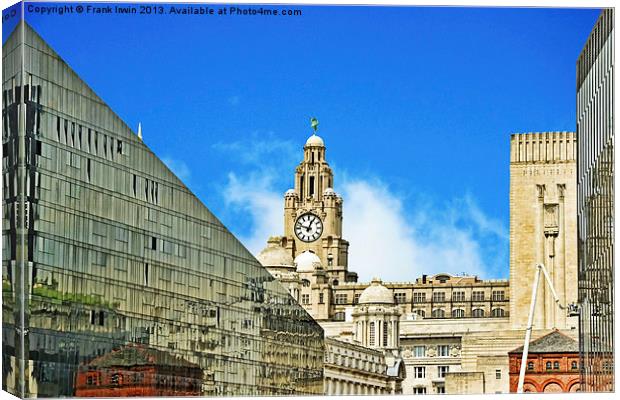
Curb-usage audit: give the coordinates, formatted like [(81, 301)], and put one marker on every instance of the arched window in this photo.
[(339, 316), (573, 365), (530, 365), (439, 313), (548, 365), (498, 312), (556, 365), (421, 313), (477, 313), (458, 313), (335, 282), (305, 283)]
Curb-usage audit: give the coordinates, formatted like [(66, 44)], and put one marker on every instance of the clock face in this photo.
[(308, 227)]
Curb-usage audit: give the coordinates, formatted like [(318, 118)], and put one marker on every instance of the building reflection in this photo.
[(117, 280)]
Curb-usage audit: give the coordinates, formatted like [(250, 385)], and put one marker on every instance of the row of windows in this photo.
[(496, 295), (460, 313), (420, 297), (420, 372), (384, 338), (552, 366), (443, 350), (86, 139), (151, 189), (438, 297)]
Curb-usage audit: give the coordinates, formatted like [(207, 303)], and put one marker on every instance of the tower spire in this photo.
[(140, 130)]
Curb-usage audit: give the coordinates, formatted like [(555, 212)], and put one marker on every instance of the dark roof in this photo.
[(554, 342), (139, 355)]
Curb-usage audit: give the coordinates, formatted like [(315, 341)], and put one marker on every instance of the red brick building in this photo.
[(138, 371), (552, 365)]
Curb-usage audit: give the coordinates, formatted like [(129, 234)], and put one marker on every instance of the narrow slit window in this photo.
[(134, 185), (146, 274), (88, 169)]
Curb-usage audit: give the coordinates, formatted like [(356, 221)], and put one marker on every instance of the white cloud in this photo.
[(396, 244), (254, 197), (179, 168), (262, 150)]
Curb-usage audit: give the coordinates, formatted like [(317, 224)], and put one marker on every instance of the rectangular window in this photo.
[(400, 297), (458, 296), (439, 296), (372, 334), (419, 390), (477, 296), (385, 334), (419, 351), (498, 295), (146, 274), (441, 390), (443, 350), (356, 298), (305, 299), (321, 298), (442, 370), (419, 372), (341, 298), (498, 374), (419, 297)]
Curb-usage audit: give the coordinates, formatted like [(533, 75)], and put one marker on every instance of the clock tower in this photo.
[(313, 214)]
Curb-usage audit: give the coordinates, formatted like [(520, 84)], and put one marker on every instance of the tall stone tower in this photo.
[(313, 214), (543, 225)]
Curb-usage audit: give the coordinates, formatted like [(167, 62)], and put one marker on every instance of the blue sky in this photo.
[(416, 106)]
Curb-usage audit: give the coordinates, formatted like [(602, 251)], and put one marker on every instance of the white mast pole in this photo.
[(530, 320), (528, 330)]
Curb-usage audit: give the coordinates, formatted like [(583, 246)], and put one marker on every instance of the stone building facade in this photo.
[(104, 247), (543, 227), (552, 365), (455, 332)]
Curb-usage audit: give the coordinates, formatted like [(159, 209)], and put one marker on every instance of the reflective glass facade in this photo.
[(595, 205), (117, 280)]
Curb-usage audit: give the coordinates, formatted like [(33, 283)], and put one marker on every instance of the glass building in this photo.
[(595, 205), (117, 280)]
